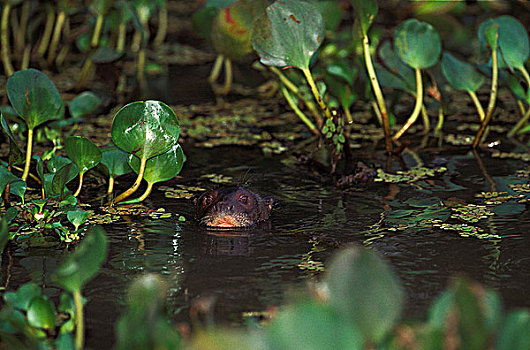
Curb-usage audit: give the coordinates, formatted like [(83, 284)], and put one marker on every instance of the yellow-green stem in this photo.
[(80, 184), (136, 184), (216, 69), (298, 112), (29, 148), (228, 76), (111, 186), (417, 107), (85, 71), (21, 36), (147, 191), (48, 27), (377, 112), (79, 320), (477, 103), (140, 65), (289, 84), (522, 122), (316, 94), (526, 76), (4, 40), (120, 45), (425, 118), (97, 31), (61, 17), (25, 57), (347, 112), (162, 27), (439, 125), (493, 98), (377, 93)]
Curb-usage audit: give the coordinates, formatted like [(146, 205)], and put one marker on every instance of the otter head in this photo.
[(232, 206)]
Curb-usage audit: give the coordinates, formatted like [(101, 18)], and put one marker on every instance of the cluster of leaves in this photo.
[(47, 40), (146, 134), (289, 34)]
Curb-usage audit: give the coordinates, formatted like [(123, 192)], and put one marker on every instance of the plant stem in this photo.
[(162, 26), (28, 154), (120, 45), (97, 31), (79, 320), (80, 184), (21, 36), (526, 76), (111, 186), (417, 107), (298, 112), (347, 113), (145, 195), (378, 93), (493, 98), (228, 76), (25, 57), (61, 17), (216, 69), (520, 123), (289, 84), (136, 184), (46, 35), (477, 103), (4, 40), (425, 118), (316, 94), (83, 76), (439, 125)]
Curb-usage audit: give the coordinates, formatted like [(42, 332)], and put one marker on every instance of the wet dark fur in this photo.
[(232, 206)]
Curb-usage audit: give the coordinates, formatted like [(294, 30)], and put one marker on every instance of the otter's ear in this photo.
[(269, 201)]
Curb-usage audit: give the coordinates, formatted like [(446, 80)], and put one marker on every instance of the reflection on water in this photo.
[(247, 270)]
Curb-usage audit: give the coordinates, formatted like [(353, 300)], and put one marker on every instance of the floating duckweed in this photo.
[(414, 174), (182, 192), (459, 140), (217, 178), (522, 156), (471, 213)]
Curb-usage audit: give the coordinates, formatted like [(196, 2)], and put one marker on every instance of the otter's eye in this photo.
[(243, 199), (207, 200)]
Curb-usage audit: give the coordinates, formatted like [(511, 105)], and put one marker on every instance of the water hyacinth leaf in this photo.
[(84, 104), (6, 177), (342, 70), (514, 333), (41, 313), (461, 75), (331, 13), (202, 19), (341, 91), (417, 44), (396, 66), (115, 160), (162, 167), (145, 128), (391, 80), (288, 34), (492, 36), (21, 299), (312, 325), (365, 291), (232, 27), (512, 40), (77, 217), (19, 188), (56, 163), (84, 263), (366, 11), (15, 154), (62, 177), (83, 152), (34, 97)]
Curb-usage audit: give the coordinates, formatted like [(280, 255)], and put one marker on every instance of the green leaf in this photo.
[(492, 36), (288, 34), (311, 325), (115, 160), (365, 291), (417, 44), (342, 70), (63, 176), (232, 27), (512, 39), (145, 128), (56, 163), (84, 104), (397, 67), (83, 152), (514, 333), (84, 263), (77, 217), (34, 96), (461, 75), (41, 313), (366, 10), (162, 167), (22, 298), (331, 13), (6, 177), (15, 153)]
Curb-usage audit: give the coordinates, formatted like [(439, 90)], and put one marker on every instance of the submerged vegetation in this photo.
[(333, 80)]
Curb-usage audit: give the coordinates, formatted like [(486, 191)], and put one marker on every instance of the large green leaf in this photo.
[(461, 75), (115, 160), (15, 153), (417, 44), (365, 10), (83, 152), (514, 333), (34, 96), (331, 13), (84, 263), (513, 39), (312, 325), (6, 177), (145, 128), (232, 27), (397, 67), (21, 299), (41, 313), (202, 19), (163, 167), (61, 178), (363, 289), (84, 104), (288, 34)]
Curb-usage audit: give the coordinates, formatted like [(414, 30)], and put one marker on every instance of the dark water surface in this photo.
[(249, 270)]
